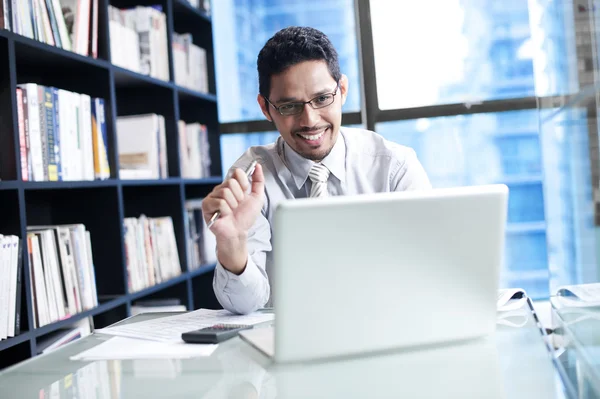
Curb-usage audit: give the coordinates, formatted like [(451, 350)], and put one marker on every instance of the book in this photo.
[(201, 242), (141, 140), (151, 254), (59, 138), (62, 272)]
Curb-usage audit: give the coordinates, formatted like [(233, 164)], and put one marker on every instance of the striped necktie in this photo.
[(318, 175)]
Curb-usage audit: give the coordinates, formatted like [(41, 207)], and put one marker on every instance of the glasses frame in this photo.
[(310, 102)]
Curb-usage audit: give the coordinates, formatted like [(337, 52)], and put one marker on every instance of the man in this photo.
[(301, 90)]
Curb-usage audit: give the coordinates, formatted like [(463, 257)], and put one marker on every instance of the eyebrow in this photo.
[(294, 99)]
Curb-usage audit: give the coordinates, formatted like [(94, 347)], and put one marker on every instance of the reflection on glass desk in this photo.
[(577, 340), (513, 363)]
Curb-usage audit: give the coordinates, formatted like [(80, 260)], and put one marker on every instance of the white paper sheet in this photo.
[(120, 348), (169, 329)]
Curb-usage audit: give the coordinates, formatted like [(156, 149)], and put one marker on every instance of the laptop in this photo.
[(377, 272)]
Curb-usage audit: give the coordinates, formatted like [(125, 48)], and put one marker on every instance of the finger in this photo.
[(258, 181), (236, 189), (240, 176), (210, 205), (228, 196), (223, 207)]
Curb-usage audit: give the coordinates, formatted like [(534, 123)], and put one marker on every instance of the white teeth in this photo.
[(313, 137)]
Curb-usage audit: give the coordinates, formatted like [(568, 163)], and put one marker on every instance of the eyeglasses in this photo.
[(295, 108)]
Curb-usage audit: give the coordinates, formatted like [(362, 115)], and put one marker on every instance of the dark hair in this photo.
[(291, 46)]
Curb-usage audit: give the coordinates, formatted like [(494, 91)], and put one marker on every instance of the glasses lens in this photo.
[(291, 109), (322, 101)]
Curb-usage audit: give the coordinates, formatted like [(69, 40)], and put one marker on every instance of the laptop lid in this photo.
[(368, 273)]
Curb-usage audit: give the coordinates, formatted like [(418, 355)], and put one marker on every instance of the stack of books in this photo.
[(190, 64), (69, 24), (194, 150), (150, 251), (138, 40), (10, 286), (62, 135), (61, 269), (142, 147), (201, 242)]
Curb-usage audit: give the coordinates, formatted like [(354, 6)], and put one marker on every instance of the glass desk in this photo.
[(577, 341), (513, 363)]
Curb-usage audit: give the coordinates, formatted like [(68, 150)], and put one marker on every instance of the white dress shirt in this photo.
[(360, 162)]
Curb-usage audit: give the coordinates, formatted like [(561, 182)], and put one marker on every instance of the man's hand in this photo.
[(239, 210)]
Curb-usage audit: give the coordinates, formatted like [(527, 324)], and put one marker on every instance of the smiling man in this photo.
[(302, 91)]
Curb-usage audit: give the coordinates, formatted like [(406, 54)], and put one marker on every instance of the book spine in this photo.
[(53, 23), (33, 291), (94, 30), (43, 129), (16, 25), (52, 147), (33, 16), (3, 15), (77, 159), (35, 139), (86, 138), (19, 284), (22, 141), (101, 166), (27, 138), (65, 40), (57, 136), (45, 24)]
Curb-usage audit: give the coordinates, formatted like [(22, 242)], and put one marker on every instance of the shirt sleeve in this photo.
[(249, 291), (409, 174)]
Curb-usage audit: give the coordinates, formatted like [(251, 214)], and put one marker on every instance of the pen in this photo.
[(216, 215)]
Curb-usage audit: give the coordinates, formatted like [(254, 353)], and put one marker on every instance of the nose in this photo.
[(309, 116)]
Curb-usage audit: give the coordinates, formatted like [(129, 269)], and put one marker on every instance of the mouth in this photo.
[(313, 138)]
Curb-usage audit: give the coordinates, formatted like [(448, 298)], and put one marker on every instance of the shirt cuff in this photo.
[(248, 277)]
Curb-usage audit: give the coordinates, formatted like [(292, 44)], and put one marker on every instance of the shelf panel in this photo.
[(19, 339), (183, 8), (104, 307), (45, 54), (151, 182), (207, 180), (187, 94), (9, 184), (41, 185), (202, 270), (124, 78), (169, 283), (158, 287)]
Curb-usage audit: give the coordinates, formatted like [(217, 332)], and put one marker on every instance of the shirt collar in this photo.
[(300, 166)]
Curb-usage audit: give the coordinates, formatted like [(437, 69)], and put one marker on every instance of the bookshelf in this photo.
[(103, 204)]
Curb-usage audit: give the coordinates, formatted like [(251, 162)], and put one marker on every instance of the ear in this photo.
[(344, 88), (264, 107)]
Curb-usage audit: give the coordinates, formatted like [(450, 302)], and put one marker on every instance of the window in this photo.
[(466, 51), (549, 218), (443, 52), (234, 145), (242, 27)]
